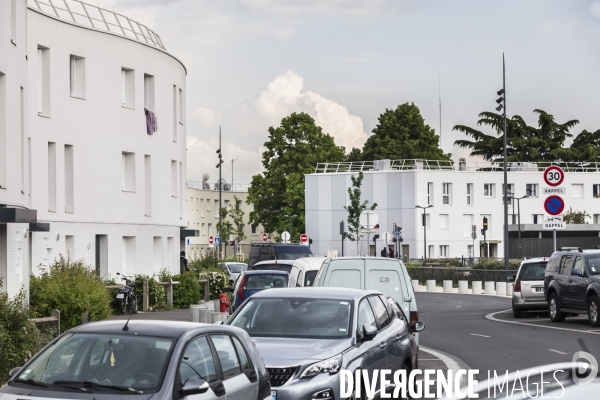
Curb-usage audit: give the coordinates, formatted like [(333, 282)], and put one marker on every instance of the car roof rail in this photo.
[(579, 249)]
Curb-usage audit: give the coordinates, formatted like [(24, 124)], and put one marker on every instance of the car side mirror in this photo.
[(194, 386), (577, 272), (369, 332), (14, 371), (417, 327)]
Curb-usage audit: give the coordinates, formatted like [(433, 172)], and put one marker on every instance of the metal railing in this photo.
[(227, 187), (92, 16), (423, 274), (449, 165)]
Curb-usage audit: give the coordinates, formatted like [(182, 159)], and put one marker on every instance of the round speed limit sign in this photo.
[(554, 175)]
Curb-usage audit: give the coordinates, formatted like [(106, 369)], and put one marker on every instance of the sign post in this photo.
[(554, 204), (368, 219), (304, 239), (285, 236), (211, 242)]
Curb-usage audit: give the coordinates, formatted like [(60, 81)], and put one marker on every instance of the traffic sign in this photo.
[(554, 190), (265, 237), (387, 237), (555, 225), (397, 235), (211, 240), (217, 240), (557, 218), (554, 175), (188, 241), (554, 205), (304, 238), (368, 219), (285, 236), (473, 235)]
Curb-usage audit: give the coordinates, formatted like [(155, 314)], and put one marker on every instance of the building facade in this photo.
[(461, 197), (202, 204), (92, 129)]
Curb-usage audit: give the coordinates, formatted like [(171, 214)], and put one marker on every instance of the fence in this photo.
[(424, 274), (50, 325)]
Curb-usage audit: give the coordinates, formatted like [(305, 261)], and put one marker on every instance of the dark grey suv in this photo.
[(572, 284)]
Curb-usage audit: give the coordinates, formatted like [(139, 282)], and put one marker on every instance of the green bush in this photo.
[(496, 264), (73, 288), (157, 294), (413, 264), (186, 292), (19, 337), (217, 282), (444, 262)]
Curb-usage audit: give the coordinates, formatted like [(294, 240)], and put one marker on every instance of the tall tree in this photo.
[(224, 228), (292, 150), (355, 209), (237, 215), (401, 133), (575, 217), (585, 147)]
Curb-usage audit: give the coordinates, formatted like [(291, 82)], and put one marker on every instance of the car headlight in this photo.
[(331, 365)]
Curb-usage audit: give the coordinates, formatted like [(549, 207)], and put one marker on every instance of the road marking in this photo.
[(491, 317), (458, 306), (556, 351), (450, 363), (425, 313), (475, 334), (428, 359)]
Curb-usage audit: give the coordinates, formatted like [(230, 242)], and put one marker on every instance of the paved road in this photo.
[(457, 324)]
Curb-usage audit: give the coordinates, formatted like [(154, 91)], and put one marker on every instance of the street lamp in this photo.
[(518, 216), (220, 188), (501, 101), (424, 230), (290, 217)]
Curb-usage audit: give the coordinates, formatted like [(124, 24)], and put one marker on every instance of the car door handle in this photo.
[(397, 337), (382, 345)]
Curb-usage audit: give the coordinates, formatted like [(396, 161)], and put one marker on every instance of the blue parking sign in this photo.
[(217, 240), (397, 234)]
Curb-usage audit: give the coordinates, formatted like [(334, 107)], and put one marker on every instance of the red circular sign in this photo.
[(211, 240), (554, 175), (554, 205), (304, 238), (265, 237)]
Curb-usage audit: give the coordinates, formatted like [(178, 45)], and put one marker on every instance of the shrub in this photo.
[(73, 288), (413, 264), (157, 294), (217, 281), (444, 262), (19, 337), (496, 264), (186, 292)]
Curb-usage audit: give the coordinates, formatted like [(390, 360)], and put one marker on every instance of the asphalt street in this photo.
[(457, 324)]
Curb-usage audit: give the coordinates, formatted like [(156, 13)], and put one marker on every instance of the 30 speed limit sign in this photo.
[(554, 175)]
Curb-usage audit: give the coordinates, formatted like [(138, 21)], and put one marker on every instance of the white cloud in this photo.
[(345, 8)]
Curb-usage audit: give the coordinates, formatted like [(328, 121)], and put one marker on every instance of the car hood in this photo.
[(284, 352)]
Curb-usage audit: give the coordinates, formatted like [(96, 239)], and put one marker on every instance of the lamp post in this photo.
[(232, 160), (220, 188), (424, 230), (502, 105), (518, 199), (290, 217)]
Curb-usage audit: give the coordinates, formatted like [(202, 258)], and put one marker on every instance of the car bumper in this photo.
[(519, 302), (304, 389)]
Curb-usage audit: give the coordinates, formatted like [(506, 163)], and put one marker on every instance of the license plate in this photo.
[(539, 290), (120, 296), (274, 394)]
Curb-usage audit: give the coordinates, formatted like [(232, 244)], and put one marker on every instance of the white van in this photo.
[(387, 275), (304, 271)]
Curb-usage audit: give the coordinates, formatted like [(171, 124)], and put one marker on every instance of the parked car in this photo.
[(388, 275), (304, 271), (142, 360), (249, 283), (572, 284), (307, 335), (528, 290), (274, 265), (277, 251), (233, 269)]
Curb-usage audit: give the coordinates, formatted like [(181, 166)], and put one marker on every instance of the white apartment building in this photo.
[(81, 173), (461, 196), (202, 204)]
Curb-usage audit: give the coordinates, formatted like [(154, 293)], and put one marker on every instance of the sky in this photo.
[(250, 63)]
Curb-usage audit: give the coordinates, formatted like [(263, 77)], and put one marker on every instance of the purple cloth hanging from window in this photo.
[(151, 121)]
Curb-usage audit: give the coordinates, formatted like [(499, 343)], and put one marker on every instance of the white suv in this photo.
[(528, 291)]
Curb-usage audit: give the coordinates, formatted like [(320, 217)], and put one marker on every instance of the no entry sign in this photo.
[(265, 237), (211, 240), (554, 175), (304, 238), (554, 205)]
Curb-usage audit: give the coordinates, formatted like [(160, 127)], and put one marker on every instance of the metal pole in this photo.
[(290, 228), (505, 174), (424, 236), (368, 235), (519, 222), (220, 193), (554, 238)]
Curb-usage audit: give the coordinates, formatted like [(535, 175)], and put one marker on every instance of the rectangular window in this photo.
[(157, 253), (173, 178), (467, 225), (444, 221), (13, 21), (446, 193), (77, 76), (175, 113), (180, 191), (430, 193), (203, 229), (70, 246), (254, 229), (129, 256), (444, 250), (538, 218), (469, 194), (577, 191), (531, 189), (216, 208), (596, 188), (488, 190), (22, 135), (128, 171), (170, 250), (209, 229), (181, 107), (148, 92), (202, 208), (43, 69), (148, 185), (127, 87), (596, 218), (513, 218), (52, 176), (3, 119), (430, 251), (510, 192), (69, 179)]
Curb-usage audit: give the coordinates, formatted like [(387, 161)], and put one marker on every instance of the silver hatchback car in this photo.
[(528, 291)]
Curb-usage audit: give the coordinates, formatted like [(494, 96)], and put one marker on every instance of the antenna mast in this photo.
[(440, 97)]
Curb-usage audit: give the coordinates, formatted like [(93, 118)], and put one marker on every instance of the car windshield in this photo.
[(237, 267), (310, 278), (136, 362), (273, 267), (295, 318), (533, 271), (292, 252), (594, 264), (265, 281)]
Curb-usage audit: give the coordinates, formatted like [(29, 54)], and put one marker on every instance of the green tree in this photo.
[(402, 134), (355, 209), (224, 228), (293, 149), (575, 217), (237, 215), (585, 147)]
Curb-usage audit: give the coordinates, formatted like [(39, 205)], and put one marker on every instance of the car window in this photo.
[(579, 263), (566, 264), (265, 281), (552, 264), (241, 352), (300, 279), (533, 271), (309, 278), (365, 316), (230, 365), (273, 267), (197, 362), (381, 312), (594, 264)]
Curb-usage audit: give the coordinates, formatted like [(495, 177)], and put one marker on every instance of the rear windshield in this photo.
[(237, 268), (594, 264), (533, 271), (273, 267), (292, 252), (265, 281), (309, 279)]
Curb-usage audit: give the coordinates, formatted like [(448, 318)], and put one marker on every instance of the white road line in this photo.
[(491, 317), (450, 363), (458, 306), (425, 313), (556, 351), (475, 334)]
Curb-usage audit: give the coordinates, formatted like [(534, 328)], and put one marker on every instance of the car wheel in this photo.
[(517, 313), (593, 311), (555, 314)]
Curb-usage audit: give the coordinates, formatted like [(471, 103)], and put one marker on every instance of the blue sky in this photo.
[(252, 62)]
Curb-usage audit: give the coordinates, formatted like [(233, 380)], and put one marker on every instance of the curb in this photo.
[(452, 362), (463, 294)]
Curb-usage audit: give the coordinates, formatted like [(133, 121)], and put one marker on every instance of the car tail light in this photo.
[(517, 287), (414, 317), (241, 289)]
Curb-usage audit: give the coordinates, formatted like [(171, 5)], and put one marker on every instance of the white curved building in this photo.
[(83, 169)]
